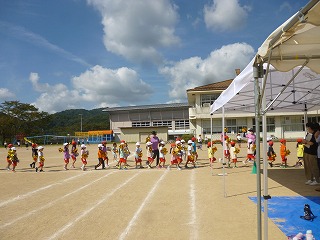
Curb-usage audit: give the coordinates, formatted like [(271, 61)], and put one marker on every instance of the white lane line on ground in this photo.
[(21, 197), (53, 202), (137, 213), (86, 212), (193, 215)]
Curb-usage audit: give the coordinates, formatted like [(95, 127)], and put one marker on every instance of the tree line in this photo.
[(22, 119)]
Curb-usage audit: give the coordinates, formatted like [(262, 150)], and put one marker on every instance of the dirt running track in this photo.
[(134, 203)]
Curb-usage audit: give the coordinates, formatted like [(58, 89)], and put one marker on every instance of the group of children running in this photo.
[(180, 151)]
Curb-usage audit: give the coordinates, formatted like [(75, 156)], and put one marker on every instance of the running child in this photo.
[(40, 159), (126, 154), (234, 153), (300, 149), (34, 155), (74, 153), (211, 152), (194, 148), (149, 155), (190, 156), (14, 159), (227, 149), (66, 155), (115, 152), (283, 153), (104, 148), (122, 156), (184, 149), (251, 148), (162, 154), (101, 156), (9, 156), (174, 159), (84, 156), (271, 154), (138, 155)]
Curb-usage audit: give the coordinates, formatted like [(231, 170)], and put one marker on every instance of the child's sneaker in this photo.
[(36, 169), (179, 168)]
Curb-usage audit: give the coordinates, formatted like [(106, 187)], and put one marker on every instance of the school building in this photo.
[(134, 123)]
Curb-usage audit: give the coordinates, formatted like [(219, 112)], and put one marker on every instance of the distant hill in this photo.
[(69, 121)]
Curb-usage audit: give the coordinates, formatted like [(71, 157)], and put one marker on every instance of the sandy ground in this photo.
[(137, 203)]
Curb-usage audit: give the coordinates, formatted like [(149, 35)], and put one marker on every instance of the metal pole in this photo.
[(211, 140), (257, 93), (266, 196), (223, 157), (80, 122)]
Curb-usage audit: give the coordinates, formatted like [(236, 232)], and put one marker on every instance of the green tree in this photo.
[(20, 118)]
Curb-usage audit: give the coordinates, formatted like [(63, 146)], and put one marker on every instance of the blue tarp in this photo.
[(285, 212)]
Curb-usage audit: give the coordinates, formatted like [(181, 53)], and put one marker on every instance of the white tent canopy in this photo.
[(285, 87), (295, 41), (297, 90)]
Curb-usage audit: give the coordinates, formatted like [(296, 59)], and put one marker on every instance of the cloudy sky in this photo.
[(87, 54)]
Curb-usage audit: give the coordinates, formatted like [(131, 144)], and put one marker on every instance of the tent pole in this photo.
[(256, 75), (211, 114), (223, 157), (305, 117), (266, 196)]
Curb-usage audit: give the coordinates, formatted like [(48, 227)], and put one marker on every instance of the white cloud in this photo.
[(111, 86), (136, 30), (219, 66), (97, 86), (5, 94), (225, 15)]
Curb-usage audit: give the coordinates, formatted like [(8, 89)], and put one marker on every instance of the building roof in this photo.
[(147, 107), (213, 86)]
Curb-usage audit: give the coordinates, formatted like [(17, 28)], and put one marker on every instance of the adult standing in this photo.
[(155, 146), (317, 136), (310, 155)]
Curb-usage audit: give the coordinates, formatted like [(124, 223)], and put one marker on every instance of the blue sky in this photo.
[(67, 54)]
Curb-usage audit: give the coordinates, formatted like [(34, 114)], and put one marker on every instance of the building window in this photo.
[(163, 123), (292, 124), (182, 124), (271, 126), (315, 119), (141, 124), (207, 100)]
